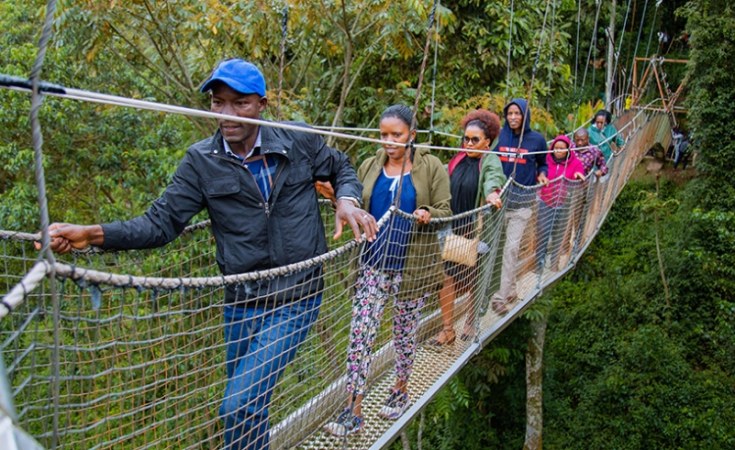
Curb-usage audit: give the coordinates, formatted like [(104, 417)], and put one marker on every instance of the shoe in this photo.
[(500, 307), (445, 337), (395, 405), (468, 332), (346, 423)]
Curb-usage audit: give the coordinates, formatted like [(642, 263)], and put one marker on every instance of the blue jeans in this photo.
[(261, 342)]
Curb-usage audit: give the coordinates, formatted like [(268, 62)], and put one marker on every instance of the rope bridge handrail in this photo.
[(142, 356), (50, 89)]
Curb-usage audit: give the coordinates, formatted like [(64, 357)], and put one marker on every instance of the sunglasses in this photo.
[(474, 139)]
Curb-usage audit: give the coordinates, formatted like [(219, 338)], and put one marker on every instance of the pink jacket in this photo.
[(553, 193)]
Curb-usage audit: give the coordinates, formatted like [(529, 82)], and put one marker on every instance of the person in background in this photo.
[(593, 162), (257, 183), (603, 133), (476, 178), (681, 152), (553, 206), (522, 153), (676, 136), (590, 156), (402, 263)]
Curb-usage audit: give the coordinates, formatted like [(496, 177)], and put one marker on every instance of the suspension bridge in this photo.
[(140, 349), (126, 349)]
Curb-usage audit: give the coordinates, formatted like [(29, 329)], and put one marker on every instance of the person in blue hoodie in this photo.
[(522, 154)]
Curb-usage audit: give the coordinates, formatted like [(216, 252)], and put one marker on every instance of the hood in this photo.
[(568, 160), (562, 138), (525, 110)]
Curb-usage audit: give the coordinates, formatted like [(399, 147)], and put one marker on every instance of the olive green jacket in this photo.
[(423, 270), (492, 177)]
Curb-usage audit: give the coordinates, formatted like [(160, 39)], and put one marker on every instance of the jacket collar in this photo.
[(271, 142), (229, 152)]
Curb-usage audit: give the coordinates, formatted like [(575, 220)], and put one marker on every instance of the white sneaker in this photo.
[(396, 404)]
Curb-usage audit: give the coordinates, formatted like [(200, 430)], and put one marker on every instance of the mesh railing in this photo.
[(141, 360)]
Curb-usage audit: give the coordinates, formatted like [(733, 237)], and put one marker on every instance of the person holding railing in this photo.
[(553, 218), (515, 142), (476, 178), (594, 163), (590, 155), (257, 183), (403, 262)]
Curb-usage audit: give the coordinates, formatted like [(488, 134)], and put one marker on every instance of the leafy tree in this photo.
[(92, 149)]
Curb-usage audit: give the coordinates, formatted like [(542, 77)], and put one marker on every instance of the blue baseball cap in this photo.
[(239, 75)]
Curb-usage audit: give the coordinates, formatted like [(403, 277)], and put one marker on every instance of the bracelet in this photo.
[(354, 201)]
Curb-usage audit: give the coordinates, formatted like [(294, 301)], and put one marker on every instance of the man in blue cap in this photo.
[(257, 183)]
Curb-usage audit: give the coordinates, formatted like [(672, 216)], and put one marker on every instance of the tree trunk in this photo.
[(405, 441), (662, 271), (346, 72), (344, 92), (534, 390), (421, 432)]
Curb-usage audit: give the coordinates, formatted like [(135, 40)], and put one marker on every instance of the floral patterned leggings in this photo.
[(373, 289)]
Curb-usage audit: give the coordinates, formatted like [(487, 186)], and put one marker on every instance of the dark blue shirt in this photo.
[(388, 250)]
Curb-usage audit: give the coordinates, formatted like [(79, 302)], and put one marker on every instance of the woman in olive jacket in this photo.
[(404, 262)]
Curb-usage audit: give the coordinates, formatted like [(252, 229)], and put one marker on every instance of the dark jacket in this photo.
[(250, 234), (523, 169), (526, 168)]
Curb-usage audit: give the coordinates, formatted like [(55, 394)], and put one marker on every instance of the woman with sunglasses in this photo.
[(476, 177), (403, 262)]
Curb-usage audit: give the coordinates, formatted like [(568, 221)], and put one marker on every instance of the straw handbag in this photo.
[(462, 250)]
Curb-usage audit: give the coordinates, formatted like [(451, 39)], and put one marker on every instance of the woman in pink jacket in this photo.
[(552, 216)]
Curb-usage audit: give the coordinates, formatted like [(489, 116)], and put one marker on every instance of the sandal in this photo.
[(468, 332), (445, 337), (500, 307), (396, 404)]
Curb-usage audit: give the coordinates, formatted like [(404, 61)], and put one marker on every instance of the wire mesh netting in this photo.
[(132, 353)]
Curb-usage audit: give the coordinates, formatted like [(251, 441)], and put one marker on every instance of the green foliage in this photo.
[(450, 400), (101, 162), (711, 245), (483, 406), (711, 99), (620, 376)]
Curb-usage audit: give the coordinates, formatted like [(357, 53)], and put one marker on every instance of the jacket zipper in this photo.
[(275, 183)]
